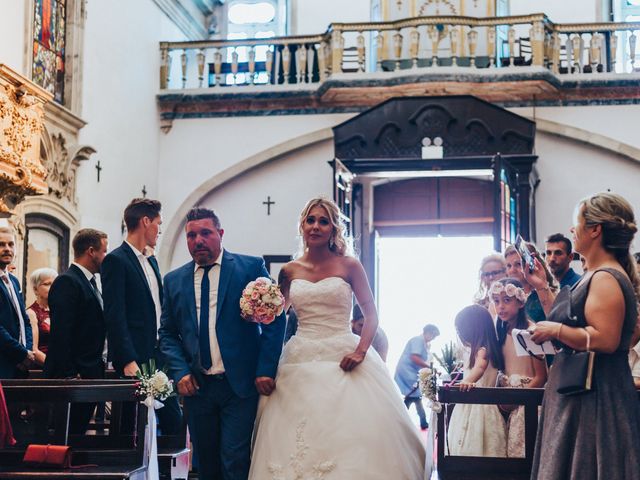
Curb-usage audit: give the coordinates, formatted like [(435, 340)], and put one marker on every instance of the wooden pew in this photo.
[(118, 456), (451, 467), (173, 451)]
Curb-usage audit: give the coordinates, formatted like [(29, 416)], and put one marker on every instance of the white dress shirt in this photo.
[(214, 280), (152, 282), (634, 360), (16, 304)]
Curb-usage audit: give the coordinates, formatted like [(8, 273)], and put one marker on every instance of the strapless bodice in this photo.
[(323, 308)]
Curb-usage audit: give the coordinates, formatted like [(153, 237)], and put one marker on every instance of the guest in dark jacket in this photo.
[(133, 303), (77, 335), (16, 343)]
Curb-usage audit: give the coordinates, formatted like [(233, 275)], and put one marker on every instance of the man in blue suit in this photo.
[(132, 292), (219, 361), (16, 340)]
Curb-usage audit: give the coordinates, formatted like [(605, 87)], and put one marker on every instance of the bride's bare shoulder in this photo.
[(287, 272)]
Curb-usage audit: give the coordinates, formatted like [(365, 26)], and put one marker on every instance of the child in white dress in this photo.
[(478, 430), (509, 298)]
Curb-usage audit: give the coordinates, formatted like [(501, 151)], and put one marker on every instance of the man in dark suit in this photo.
[(132, 291), (16, 340), (219, 361), (78, 330)]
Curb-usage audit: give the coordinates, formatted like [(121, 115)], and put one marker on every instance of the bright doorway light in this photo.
[(426, 280)]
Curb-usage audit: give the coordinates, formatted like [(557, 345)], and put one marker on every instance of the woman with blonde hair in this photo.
[(492, 267), (335, 412), (593, 434), (41, 280)]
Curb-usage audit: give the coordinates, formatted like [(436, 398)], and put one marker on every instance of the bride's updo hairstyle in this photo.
[(616, 217), (339, 243)]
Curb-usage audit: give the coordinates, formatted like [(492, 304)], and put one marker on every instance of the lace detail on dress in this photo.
[(318, 471)]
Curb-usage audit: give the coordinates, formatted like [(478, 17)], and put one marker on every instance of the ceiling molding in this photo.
[(192, 27)]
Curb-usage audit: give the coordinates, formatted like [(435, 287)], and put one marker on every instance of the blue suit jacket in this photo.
[(129, 311), (11, 350), (248, 350)]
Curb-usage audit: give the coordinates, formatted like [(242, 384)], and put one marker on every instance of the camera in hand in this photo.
[(525, 254)]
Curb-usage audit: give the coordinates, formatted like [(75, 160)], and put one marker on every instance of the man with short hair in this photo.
[(416, 355), (78, 329), (558, 255), (16, 341), (132, 291), (218, 360)]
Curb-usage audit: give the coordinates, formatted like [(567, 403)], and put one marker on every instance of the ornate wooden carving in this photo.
[(467, 125), (21, 126)]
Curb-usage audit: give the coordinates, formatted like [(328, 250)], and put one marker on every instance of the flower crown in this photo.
[(510, 290)]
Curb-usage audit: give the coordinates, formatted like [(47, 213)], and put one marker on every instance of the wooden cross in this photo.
[(144, 191), (99, 169), (268, 203)]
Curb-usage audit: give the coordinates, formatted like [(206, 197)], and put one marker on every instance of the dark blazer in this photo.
[(128, 308), (78, 329), (12, 352), (248, 350)]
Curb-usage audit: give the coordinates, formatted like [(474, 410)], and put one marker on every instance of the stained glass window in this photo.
[(508, 206), (49, 27)]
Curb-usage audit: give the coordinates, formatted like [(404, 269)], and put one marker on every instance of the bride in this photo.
[(335, 412)]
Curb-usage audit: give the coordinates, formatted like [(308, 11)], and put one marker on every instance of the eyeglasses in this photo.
[(493, 273)]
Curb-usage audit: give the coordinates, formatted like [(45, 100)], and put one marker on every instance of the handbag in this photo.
[(48, 456), (576, 373)]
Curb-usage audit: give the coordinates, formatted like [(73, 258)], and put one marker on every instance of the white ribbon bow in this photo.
[(150, 440)]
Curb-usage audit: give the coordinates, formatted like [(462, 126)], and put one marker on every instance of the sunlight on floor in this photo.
[(426, 280)]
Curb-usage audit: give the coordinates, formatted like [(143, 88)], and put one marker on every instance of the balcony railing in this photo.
[(414, 45)]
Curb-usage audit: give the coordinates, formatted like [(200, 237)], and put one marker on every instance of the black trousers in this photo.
[(419, 408)]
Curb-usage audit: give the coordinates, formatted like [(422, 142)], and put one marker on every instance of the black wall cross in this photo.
[(268, 203)]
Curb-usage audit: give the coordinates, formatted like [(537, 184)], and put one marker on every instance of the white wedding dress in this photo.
[(322, 423)]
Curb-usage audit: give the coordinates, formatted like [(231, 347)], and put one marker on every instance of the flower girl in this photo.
[(478, 430), (519, 372)]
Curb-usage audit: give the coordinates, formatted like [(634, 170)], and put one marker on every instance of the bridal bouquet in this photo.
[(153, 383), (428, 381), (261, 301)]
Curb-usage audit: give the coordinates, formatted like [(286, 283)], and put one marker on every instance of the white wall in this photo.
[(12, 33), (314, 16), (196, 150), (570, 171), (616, 121), (121, 66), (290, 181)]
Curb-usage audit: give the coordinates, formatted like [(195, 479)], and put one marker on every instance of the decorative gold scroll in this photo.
[(21, 125)]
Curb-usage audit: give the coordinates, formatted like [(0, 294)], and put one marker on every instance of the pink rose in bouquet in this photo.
[(261, 301)]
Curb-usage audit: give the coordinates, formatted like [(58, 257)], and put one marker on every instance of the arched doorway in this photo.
[(456, 142), (456, 172)]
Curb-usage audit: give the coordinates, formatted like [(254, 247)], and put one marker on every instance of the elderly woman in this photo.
[(595, 434), (41, 280), (492, 267)]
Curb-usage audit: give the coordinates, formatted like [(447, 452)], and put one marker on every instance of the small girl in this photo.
[(478, 430), (509, 299)]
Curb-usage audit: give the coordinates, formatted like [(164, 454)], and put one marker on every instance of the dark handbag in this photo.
[(48, 456), (576, 373)]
